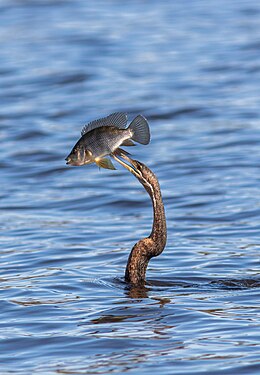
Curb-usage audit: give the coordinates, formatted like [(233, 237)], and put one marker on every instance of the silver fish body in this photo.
[(104, 136)]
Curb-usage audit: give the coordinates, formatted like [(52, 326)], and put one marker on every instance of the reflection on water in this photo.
[(66, 232)]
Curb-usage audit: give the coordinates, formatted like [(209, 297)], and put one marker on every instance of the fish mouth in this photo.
[(68, 160)]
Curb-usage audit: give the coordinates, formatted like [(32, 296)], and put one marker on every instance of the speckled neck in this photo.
[(153, 245)]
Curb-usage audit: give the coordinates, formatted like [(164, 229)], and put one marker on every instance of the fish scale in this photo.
[(104, 136), (101, 144)]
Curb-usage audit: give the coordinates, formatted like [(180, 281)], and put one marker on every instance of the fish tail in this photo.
[(140, 130)]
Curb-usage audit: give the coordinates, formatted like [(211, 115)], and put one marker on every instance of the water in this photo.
[(194, 71)]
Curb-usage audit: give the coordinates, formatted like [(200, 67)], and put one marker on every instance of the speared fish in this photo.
[(104, 136)]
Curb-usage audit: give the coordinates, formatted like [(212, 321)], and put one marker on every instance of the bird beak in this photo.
[(131, 168)]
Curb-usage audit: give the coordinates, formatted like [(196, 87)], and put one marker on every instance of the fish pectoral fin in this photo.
[(105, 163), (128, 142)]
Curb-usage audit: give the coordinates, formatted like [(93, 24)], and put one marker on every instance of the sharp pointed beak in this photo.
[(131, 168)]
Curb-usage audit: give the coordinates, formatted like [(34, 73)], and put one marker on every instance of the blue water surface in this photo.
[(193, 69)]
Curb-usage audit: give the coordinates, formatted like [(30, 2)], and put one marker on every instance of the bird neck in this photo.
[(153, 245), (159, 230)]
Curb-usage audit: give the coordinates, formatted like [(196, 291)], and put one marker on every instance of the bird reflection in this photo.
[(154, 244)]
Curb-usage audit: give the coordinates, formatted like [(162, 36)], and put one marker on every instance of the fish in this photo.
[(101, 138)]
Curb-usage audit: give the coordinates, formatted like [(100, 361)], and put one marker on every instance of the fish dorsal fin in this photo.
[(118, 119)]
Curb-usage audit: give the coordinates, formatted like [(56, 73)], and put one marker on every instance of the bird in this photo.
[(154, 244)]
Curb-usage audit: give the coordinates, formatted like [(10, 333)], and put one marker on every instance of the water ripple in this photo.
[(66, 233)]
